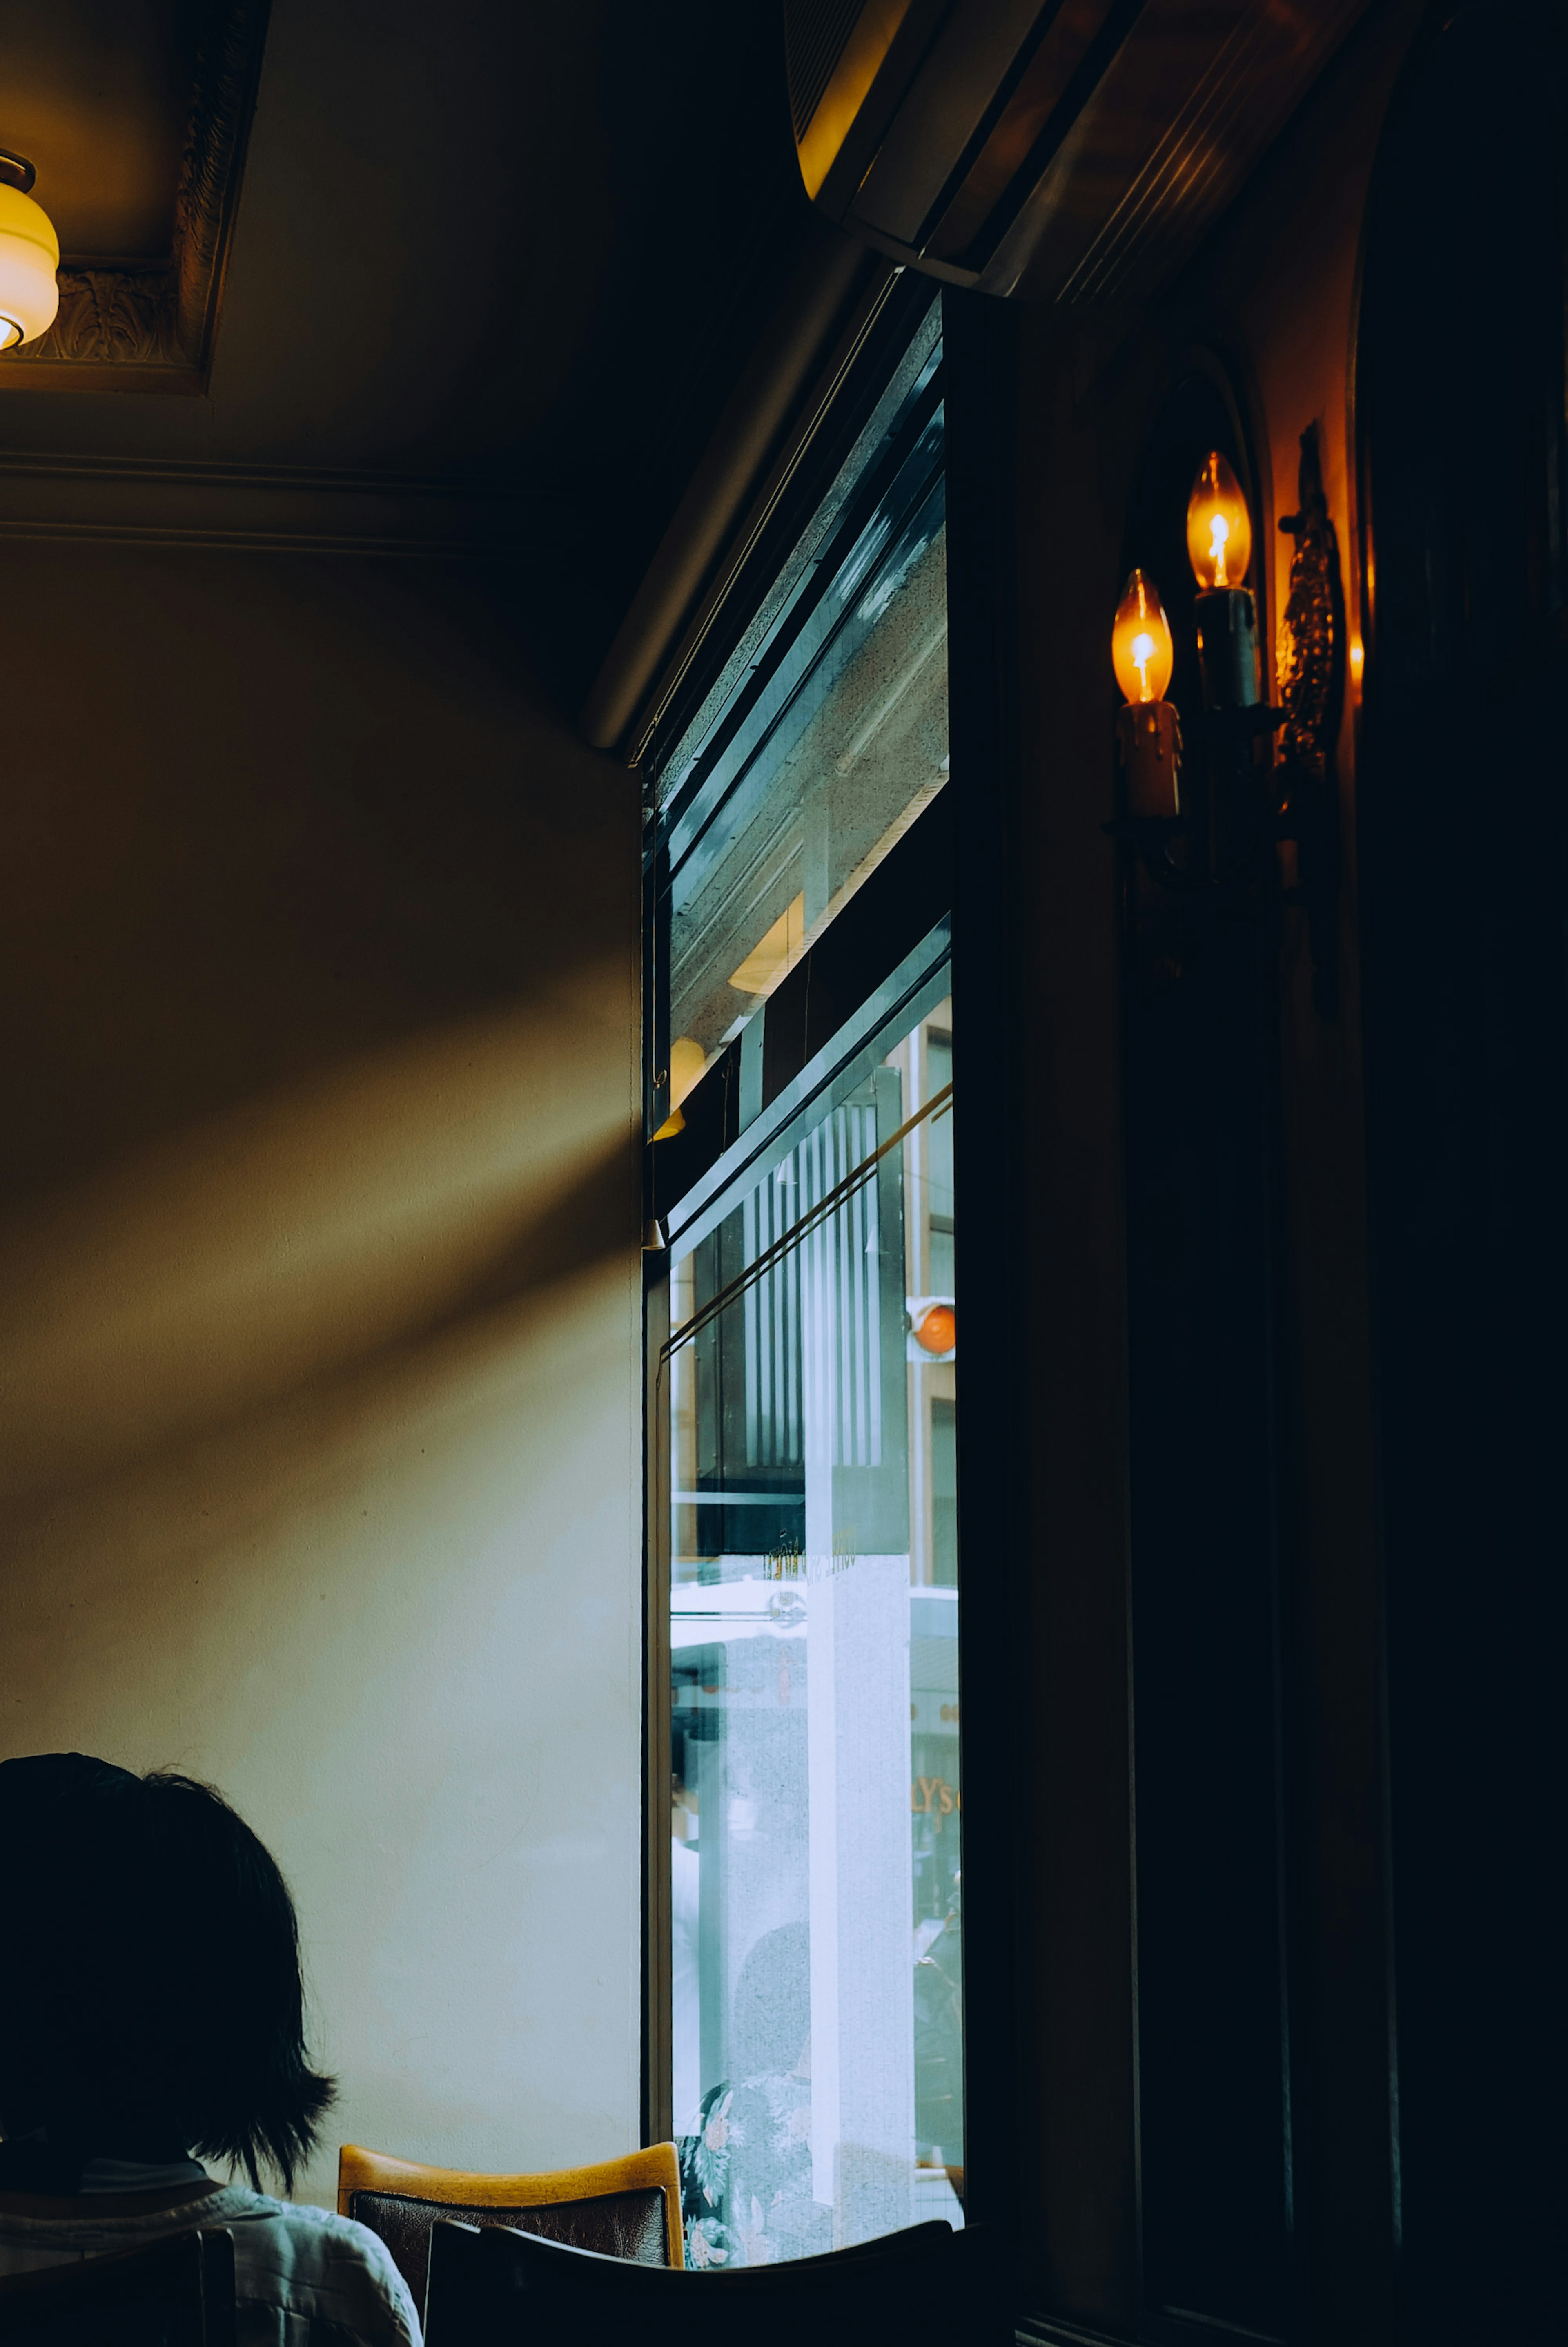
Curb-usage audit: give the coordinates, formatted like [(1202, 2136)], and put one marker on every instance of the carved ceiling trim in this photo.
[(151, 327)]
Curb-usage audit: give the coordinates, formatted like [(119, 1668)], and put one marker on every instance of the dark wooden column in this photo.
[(1464, 787)]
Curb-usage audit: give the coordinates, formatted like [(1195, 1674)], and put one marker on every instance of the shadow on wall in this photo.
[(291, 1240), (395, 1617), (265, 815), (317, 950), (320, 1296)]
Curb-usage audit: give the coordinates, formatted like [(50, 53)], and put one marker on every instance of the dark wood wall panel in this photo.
[(1208, 1350), (1462, 841)]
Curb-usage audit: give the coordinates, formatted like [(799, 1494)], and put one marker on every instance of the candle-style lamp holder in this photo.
[(1148, 732), (1149, 750), (1158, 824), (1233, 720)]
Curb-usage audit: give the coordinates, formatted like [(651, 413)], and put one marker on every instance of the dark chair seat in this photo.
[(618, 2224), (504, 2289), (177, 2292)]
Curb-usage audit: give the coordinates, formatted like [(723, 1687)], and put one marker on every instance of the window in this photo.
[(817, 1811), (807, 1502), (824, 737)]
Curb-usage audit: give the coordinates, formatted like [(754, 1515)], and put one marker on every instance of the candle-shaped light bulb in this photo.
[(1219, 526), (1142, 653)]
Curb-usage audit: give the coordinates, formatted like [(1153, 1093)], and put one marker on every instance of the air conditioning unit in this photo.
[(1074, 150)]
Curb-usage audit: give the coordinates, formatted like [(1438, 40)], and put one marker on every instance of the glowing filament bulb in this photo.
[(1219, 526), (1142, 653)]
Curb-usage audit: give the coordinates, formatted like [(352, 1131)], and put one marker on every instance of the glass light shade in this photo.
[(1142, 653), (30, 257), (1219, 526), (686, 1063)]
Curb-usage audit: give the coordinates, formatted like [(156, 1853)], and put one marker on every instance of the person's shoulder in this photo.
[(318, 2263)]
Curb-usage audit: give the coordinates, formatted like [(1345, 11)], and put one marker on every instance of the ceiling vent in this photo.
[(1074, 151)]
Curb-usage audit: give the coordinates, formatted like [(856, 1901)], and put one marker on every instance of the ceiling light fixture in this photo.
[(30, 257)]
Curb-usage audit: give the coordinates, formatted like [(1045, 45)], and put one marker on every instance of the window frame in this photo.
[(884, 960)]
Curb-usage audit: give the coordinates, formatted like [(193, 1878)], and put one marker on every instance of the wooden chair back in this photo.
[(506, 2288), (628, 2209), (177, 2292)]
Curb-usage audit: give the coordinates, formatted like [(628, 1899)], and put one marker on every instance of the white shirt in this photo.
[(302, 2277)]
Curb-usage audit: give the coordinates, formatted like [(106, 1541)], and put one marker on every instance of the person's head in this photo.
[(771, 2016), (151, 1999)]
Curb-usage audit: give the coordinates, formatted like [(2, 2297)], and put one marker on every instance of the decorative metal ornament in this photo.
[(1312, 668), (1312, 632)]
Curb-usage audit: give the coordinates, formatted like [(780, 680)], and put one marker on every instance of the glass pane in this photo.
[(826, 742), (816, 1815)]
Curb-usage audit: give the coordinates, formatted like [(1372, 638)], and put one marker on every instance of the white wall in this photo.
[(320, 1293)]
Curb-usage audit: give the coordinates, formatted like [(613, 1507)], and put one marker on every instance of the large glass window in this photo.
[(825, 734), (816, 1818), (807, 1400)]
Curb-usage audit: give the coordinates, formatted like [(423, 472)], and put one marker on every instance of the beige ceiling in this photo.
[(95, 93), (514, 243), (420, 227)]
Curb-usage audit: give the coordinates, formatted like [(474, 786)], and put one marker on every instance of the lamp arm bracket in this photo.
[(1152, 838), (1227, 725)]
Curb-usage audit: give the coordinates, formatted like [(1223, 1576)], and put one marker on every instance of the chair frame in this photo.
[(362, 2171), (483, 2286), (32, 2305)]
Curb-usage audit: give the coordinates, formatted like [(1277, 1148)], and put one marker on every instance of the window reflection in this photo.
[(816, 1819), (825, 737)]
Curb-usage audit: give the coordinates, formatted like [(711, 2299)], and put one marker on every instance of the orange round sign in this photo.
[(938, 1330)]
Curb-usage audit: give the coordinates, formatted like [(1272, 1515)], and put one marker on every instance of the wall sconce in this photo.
[(30, 257), (1148, 731), (1248, 809)]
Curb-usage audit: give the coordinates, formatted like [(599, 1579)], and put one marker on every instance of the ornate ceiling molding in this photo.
[(151, 327)]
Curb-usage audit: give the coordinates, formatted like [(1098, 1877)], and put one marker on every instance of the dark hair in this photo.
[(150, 1998)]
